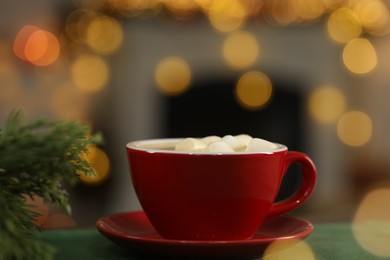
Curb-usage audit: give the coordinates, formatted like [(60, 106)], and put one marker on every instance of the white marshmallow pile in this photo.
[(226, 144)]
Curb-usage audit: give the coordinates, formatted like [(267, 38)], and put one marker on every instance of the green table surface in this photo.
[(327, 241)]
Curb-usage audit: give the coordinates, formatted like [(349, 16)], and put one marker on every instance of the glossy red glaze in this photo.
[(204, 196), (133, 231)]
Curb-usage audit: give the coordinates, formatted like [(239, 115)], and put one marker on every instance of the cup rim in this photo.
[(135, 145)]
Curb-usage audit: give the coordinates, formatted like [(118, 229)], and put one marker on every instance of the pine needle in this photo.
[(37, 159)]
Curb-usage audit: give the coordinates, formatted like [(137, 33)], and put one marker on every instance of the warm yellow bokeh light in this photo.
[(359, 56), (282, 12), (90, 73), (374, 206), (241, 49), (253, 90), (354, 128), (181, 8), (371, 223), (227, 15), (134, 7), (77, 24), (344, 25), (252, 7), (374, 16), (309, 9), (104, 35), (204, 4), (294, 11), (99, 162), (173, 76), (326, 104), (289, 249)]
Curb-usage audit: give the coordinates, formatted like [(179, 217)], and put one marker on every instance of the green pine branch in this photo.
[(37, 159)]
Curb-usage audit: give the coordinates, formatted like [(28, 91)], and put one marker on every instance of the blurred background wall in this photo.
[(311, 74)]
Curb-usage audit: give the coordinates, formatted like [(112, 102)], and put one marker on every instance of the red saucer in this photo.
[(133, 231)]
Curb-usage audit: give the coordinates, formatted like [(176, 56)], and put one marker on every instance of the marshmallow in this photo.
[(210, 139), (226, 144), (234, 143), (219, 147), (244, 138), (260, 145), (190, 144)]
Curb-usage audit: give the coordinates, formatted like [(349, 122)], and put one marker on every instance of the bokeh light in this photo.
[(21, 39), (344, 25), (371, 223), (374, 16), (37, 46), (252, 7), (104, 35), (173, 75), (281, 12), (354, 128), (359, 56), (241, 49), (326, 104), (37, 204), (227, 15), (133, 8), (42, 48), (309, 9), (183, 9), (77, 23), (253, 90), (203, 4), (90, 73), (99, 162), (288, 249)]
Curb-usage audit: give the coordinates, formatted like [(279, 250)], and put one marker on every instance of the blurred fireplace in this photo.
[(210, 108)]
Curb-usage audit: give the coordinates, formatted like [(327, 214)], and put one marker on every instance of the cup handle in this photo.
[(309, 177)]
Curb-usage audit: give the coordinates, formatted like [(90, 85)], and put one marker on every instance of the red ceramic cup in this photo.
[(213, 196)]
